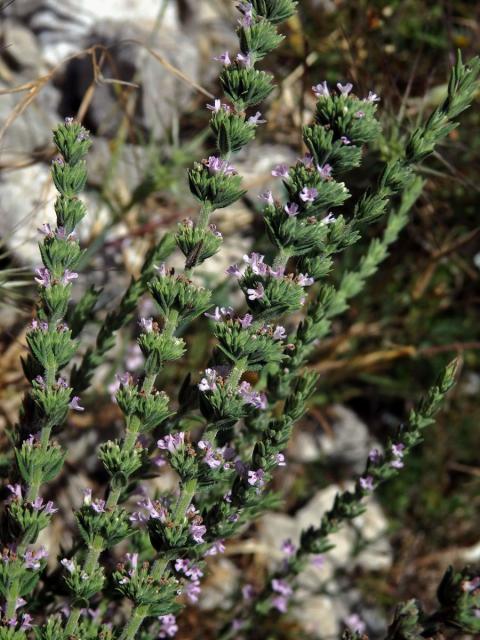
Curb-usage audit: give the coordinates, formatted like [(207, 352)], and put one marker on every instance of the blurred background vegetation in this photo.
[(419, 311)]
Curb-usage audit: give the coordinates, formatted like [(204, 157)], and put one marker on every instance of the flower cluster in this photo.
[(223, 436)]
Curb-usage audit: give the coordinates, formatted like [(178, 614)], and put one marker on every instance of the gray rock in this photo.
[(319, 614), (348, 444), (32, 130), (20, 46), (159, 91)]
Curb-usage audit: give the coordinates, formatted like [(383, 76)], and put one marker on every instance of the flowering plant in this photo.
[(224, 468)]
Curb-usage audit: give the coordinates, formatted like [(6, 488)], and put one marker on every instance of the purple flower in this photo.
[(217, 165), (366, 483), (305, 280), (197, 531), (276, 273), (214, 231), (172, 442), (288, 548), (344, 88), (38, 325), (256, 119), (193, 591), (267, 197), (234, 270), (68, 276), (318, 561), (246, 321), (220, 313), (146, 324), (256, 478), (26, 622), (168, 627), (44, 278), (307, 160), (245, 60), (68, 564), (15, 490), (218, 106), (398, 449), (279, 333), (255, 398), (359, 114), (74, 404), (256, 294), (32, 557), (282, 587), (132, 559), (216, 548), (397, 464), (280, 460), (325, 170), (374, 456), (345, 140), (224, 58), (280, 603), (321, 90), (210, 457), (280, 171), (248, 592), (372, 97), (48, 508), (308, 194), (291, 209), (46, 229), (355, 623), (255, 260), (246, 8), (98, 506), (209, 382)]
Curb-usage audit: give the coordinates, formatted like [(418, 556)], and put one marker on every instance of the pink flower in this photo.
[(197, 531), (305, 280), (256, 119), (255, 260), (168, 627), (256, 294), (291, 209), (172, 442), (245, 60), (321, 90), (288, 547), (224, 58), (146, 324), (68, 276), (234, 270), (366, 483), (280, 171), (325, 171), (267, 197), (44, 277), (372, 97), (209, 382), (74, 404), (344, 88), (308, 194)]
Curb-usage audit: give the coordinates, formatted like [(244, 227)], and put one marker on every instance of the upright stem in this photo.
[(184, 500), (134, 624)]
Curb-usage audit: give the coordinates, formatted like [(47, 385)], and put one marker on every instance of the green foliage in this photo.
[(218, 190), (246, 87)]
